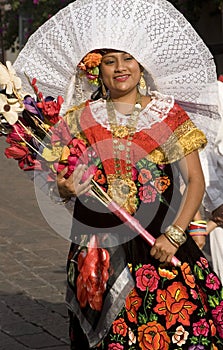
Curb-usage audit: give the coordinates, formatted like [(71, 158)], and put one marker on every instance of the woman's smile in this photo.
[(121, 78)]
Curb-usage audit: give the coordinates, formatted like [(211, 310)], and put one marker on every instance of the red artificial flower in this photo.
[(17, 132), (16, 151), (22, 154), (51, 108)]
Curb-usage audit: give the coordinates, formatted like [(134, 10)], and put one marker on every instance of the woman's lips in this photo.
[(121, 78)]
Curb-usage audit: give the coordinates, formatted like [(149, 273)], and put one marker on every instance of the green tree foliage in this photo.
[(33, 13)]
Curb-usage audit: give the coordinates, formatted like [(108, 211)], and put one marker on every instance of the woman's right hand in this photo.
[(72, 186)]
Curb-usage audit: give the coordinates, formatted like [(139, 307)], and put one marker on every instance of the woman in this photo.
[(123, 294), (166, 307)]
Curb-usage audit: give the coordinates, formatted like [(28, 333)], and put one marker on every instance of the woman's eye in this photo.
[(129, 58), (108, 62)]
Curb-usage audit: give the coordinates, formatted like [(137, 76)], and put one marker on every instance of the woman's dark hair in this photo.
[(96, 95)]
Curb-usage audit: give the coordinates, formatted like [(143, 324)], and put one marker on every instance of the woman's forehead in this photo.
[(114, 53)]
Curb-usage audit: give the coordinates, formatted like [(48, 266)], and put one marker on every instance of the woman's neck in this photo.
[(125, 104)]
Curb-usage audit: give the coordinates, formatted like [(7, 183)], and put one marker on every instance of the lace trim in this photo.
[(155, 111), (189, 139)]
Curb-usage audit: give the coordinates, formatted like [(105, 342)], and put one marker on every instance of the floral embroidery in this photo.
[(153, 336), (217, 314), (133, 303), (180, 336), (175, 305), (144, 176), (212, 281), (147, 194), (162, 183), (201, 328), (187, 273), (147, 277), (120, 327), (167, 273), (115, 346)]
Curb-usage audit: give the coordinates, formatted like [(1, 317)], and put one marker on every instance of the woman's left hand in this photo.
[(163, 250)]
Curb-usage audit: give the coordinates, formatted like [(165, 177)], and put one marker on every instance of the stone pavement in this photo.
[(33, 314)]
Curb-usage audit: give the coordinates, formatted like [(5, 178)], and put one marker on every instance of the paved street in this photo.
[(32, 273)]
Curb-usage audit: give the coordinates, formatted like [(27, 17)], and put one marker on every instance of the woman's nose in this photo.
[(120, 65)]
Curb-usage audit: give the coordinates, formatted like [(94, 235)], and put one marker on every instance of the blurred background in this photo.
[(20, 18)]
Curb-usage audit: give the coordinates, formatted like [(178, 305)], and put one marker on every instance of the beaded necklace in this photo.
[(120, 132), (121, 187)]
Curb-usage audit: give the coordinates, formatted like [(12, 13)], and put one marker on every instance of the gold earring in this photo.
[(142, 84), (103, 89)]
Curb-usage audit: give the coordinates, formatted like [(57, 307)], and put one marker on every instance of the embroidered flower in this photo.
[(212, 281), (134, 173), (119, 327), (132, 304), (153, 336), (173, 303), (201, 328), (180, 336), (164, 273), (162, 183), (196, 347), (115, 346), (147, 277), (144, 176), (217, 314), (132, 337), (99, 177), (147, 194), (187, 274), (212, 327), (203, 263)]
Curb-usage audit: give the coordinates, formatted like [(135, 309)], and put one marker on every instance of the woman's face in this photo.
[(120, 73)]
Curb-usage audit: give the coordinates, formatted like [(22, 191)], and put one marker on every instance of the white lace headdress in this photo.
[(175, 58)]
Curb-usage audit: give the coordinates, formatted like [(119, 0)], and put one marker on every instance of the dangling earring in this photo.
[(103, 90), (142, 84)]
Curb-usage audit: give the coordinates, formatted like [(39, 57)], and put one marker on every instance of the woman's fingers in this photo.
[(163, 250), (73, 185)]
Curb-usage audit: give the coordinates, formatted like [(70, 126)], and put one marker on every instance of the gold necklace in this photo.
[(121, 187)]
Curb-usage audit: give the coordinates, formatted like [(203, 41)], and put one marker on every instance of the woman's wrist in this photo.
[(56, 197), (198, 228), (176, 235)]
